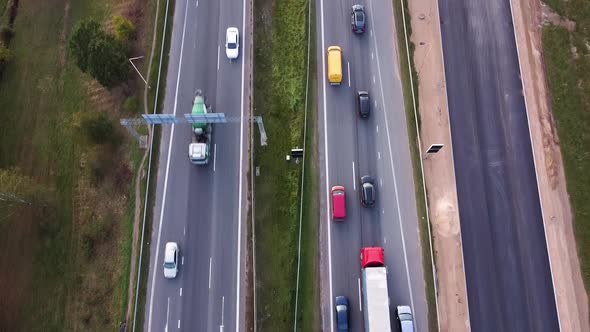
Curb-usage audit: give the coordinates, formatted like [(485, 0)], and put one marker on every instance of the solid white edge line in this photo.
[(535, 166), (353, 177), (327, 166), (241, 173), (394, 177), (166, 177), (360, 301)]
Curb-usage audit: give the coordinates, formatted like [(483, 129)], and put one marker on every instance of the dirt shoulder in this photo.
[(439, 170), (572, 301)]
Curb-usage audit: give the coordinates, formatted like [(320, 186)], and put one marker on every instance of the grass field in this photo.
[(568, 72), (412, 136), (279, 96), (72, 267)]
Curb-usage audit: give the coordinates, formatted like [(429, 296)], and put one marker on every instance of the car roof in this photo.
[(338, 202), (342, 318), (369, 193), (169, 253)]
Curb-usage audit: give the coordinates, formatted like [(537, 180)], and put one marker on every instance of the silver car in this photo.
[(405, 319)]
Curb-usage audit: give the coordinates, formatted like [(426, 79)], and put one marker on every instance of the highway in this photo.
[(351, 147), (508, 274), (202, 207)]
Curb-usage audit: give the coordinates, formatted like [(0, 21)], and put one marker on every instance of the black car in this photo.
[(358, 19), (367, 191), (341, 313), (363, 104)]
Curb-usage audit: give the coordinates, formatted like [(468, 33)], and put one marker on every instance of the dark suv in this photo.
[(367, 191), (358, 19), (363, 104)]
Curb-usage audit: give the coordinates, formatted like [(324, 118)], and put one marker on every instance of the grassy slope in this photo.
[(279, 90), (40, 93), (569, 83), (412, 135)]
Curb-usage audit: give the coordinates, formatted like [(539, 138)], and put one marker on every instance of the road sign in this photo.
[(434, 148)]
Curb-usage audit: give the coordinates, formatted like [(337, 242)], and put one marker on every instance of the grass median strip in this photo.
[(568, 72), (280, 32)]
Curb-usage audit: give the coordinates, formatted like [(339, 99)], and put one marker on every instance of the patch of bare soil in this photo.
[(439, 171), (15, 270), (571, 296)]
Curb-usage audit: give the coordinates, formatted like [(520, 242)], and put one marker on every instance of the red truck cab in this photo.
[(338, 203), (372, 257)]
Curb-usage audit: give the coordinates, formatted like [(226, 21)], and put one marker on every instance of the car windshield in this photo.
[(169, 265), (405, 317), (232, 45)]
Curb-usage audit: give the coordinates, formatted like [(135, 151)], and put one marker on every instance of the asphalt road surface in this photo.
[(507, 269), (351, 147), (200, 207)]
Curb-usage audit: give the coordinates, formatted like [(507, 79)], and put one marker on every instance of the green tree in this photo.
[(99, 53), (108, 61), (124, 28), (85, 33)]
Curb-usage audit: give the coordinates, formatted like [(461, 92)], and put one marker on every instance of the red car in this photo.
[(338, 203)]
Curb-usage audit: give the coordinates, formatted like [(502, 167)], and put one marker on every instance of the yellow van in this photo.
[(334, 65)]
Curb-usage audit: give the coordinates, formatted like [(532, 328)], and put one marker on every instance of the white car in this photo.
[(171, 260), (232, 43)]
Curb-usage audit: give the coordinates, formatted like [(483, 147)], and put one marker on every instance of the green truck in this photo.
[(200, 146)]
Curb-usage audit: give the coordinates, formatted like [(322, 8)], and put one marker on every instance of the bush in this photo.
[(5, 54), (124, 29), (98, 53), (131, 104), (6, 34), (98, 128)]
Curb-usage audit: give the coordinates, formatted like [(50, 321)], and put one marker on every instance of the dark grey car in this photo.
[(367, 191), (358, 19), (363, 104)]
